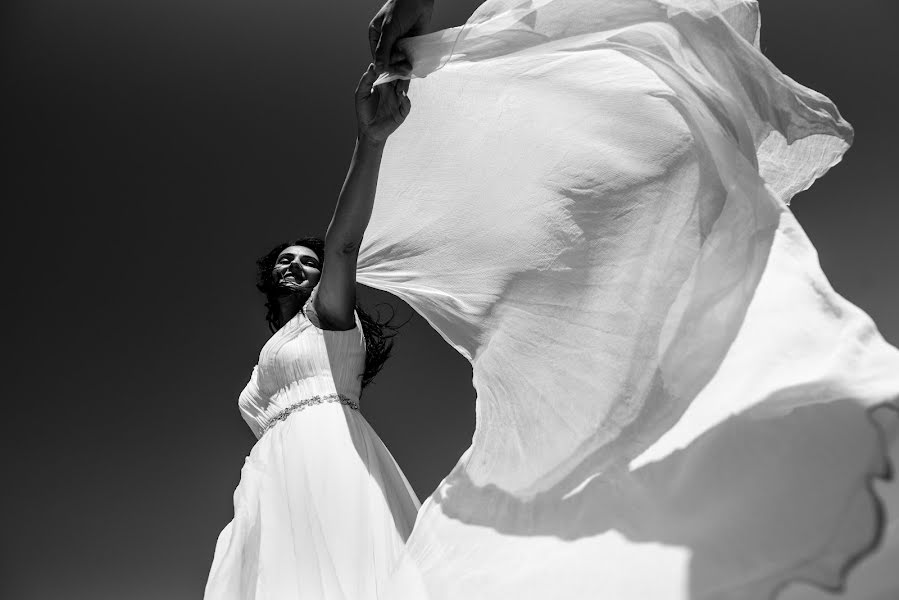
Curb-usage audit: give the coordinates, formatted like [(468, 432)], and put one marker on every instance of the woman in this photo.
[(322, 510)]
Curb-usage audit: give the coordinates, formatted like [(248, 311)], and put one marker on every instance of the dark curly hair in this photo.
[(378, 333)]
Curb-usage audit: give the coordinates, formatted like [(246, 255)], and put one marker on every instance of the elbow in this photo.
[(350, 247), (342, 240)]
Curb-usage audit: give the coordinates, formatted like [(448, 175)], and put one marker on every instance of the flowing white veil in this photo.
[(589, 202)]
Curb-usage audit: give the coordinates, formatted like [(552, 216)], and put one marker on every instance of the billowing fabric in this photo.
[(322, 511), (589, 202)]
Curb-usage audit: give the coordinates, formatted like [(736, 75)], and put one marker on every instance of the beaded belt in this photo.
[(298, 406)]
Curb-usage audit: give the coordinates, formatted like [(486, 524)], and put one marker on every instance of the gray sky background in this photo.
[(153, 149)]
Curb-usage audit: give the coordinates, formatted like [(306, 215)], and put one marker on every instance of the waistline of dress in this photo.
[(305, 403)]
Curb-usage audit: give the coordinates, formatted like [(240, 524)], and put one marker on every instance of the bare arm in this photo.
[(379, 112)]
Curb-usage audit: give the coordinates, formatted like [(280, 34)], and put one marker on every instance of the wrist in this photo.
[(366, 142)]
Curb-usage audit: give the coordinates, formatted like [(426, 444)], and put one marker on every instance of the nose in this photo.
[(296, 267)]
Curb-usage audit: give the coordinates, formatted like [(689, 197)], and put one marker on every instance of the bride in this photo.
[(322, 511), (672, 401)]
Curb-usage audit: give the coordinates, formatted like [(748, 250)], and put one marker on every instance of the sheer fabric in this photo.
[(672, 402)]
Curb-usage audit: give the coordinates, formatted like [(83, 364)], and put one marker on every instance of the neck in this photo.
[(289, 305)]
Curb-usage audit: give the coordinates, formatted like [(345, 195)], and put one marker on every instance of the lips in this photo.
[(291, 282)]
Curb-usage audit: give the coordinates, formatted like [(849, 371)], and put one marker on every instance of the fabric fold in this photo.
[(593, 199)]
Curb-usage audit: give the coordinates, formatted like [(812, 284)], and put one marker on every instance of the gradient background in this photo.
[(152, 150)]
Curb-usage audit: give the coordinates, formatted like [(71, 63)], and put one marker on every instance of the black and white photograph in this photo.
[(450, 300)]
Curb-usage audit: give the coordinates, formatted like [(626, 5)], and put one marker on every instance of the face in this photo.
[(297, 270)]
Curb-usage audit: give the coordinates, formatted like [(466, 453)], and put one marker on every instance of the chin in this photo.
[(291, 290)]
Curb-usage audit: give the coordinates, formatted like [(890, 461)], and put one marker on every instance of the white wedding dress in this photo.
[(322, 511)]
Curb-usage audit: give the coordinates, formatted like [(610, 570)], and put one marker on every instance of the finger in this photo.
[(363, 90), (392, 100), (397, 55), (403, 67), (389, 33), (405, 106), (400, 63), (374, 33), (421, 24), (402, 111), (402, 86)]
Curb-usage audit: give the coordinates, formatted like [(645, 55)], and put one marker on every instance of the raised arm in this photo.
[(379, 112)]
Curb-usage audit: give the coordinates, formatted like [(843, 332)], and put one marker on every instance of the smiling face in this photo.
[(297, 270)]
